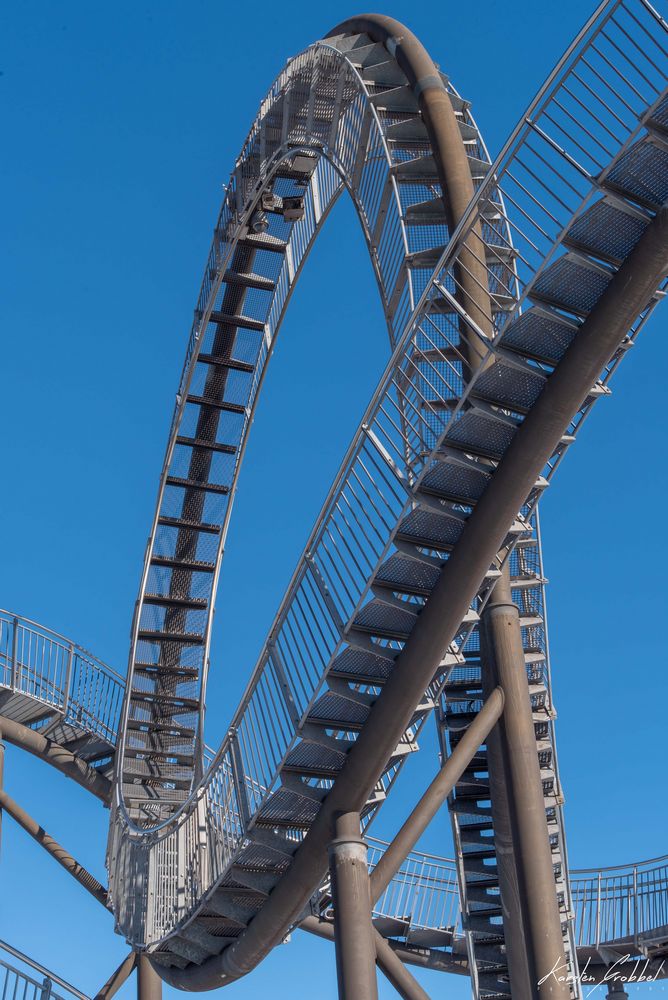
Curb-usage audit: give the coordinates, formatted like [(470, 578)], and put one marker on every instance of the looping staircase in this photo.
[(192, 862)]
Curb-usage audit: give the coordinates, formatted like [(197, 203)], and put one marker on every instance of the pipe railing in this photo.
[(624, 903), (44, 665), (29, 980)]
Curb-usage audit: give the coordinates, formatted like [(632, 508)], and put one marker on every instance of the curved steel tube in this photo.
[(58, 756)]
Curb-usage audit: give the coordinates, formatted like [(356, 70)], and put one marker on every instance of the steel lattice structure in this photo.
[(511, 292)]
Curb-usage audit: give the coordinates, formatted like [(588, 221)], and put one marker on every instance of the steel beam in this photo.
[(441, 961), (353, 930), (393, 857), (58, 756), (534, 442), (522, 978), (52, 847), (149, 983), (533, 934), (117, 978), (2, 772), (396, 972)]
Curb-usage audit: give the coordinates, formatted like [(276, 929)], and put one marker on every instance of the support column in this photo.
[(522, 975), (354, 937), (149, 983), (616, 991), (2, 771), (526, 873)]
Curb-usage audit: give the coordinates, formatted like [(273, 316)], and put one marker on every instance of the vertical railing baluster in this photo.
[(598, 912), (635, 904), (68, 678), (15, 678)]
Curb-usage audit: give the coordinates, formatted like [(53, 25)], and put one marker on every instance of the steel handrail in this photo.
[(52, 977)]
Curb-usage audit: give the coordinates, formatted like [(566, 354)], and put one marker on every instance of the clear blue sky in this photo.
[(121, 121)]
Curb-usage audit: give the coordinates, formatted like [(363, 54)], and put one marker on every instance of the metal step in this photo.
[(427, 528), (183, 603), (228, 319), (286, 808), (407, 576), (156, 670), (420, 169), (164, 756), (607, 231), (160, 635), (178, 704), (192, 565), (223, 362), (156, 770), (509, 387), (218, 404), (382, 74), (429, 257), (313, 760), (263, 241), (191, 442), (641, 174), (196, 484), (396, 100), (249, 280), (479, 434), (151, 727), (571, 283), (334, 711), (455, 482), (386, 620), (355, 664)]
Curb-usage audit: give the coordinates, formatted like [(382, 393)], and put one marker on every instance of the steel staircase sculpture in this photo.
[(485, 307)]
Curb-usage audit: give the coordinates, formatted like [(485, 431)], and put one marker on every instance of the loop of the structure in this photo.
[(479, 403)]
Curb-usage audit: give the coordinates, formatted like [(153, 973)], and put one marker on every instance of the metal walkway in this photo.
[(511, 292)]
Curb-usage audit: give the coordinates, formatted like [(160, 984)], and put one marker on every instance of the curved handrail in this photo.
[(619, 903), (42, 664)]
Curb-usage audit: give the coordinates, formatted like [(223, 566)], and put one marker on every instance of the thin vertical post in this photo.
[(68, 679), (47, 986), (2, 770), (149, 983), (15, 636), (598, 910), (533, 890), (354, 938)]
